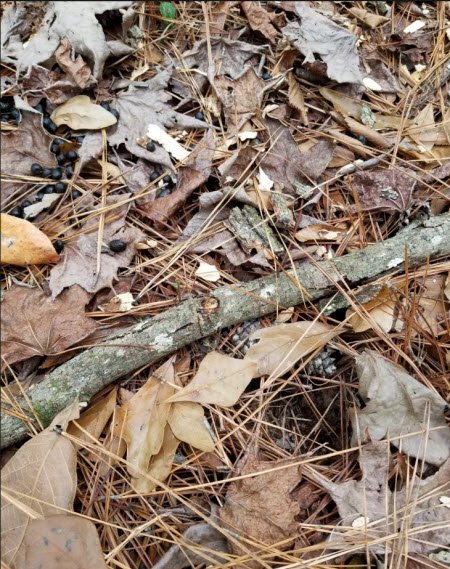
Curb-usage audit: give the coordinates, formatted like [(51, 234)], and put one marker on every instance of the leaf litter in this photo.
[(245, 136)]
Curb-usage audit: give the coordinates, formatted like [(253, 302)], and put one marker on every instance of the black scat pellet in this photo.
[(15, 115), (266, 75), (60, 187), (56, 173), (164, 192), (69, 171), (72, 155), (39, 196), (49, 125), (36, 169), (61, 159), (25, 204), (75, 194), (5, 117), (168, 181), (58, 245), (154, 176), (47, 172), (151, 147), (199, 116), (117, 245), (6, 104), (40, 108), (106, 105), (16, 211), (49, 189), (115, 113)]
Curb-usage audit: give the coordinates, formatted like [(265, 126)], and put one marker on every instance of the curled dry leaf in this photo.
[(432, 314), (260, 20), (220, 380), (142, 420), (80, 114), (321, 232), (76, 68), (39, 480), (418, 505), (62, 542), (397, 405), (280, 347), (187, 422), (23, 244), (379, 310), (208, 272), (34, 325)]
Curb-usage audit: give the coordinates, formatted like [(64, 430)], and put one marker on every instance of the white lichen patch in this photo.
[(162, 342), (395, 262), (436, 239), (267, 292)]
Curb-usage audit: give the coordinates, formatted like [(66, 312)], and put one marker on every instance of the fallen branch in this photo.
[(154, 338)]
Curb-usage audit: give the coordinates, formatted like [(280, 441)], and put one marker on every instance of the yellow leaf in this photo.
[(80, 114), (280, 347), (39, 480), (144, 418), (187, 421), (160, 466), (220, 380), (22, 243)]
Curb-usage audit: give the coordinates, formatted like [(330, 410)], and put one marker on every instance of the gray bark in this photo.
[(151, 339)]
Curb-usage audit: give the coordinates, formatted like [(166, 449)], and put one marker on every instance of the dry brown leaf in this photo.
[(369, 18), (94, 419), (432, 314), (424, 131), (144, 419), (380, 311), (260, 20), (75, 67), (187, 421), (280, 347), (160, 465), (55, 87), (34, 325), (39, 480), (398, 405), (80, 114), (22, 243), (261, 507), (316, 35), (384, 190), (296, 98), (220, 380), (417, 506), (62, 542), (321, 232), (78, 263), (447, 287)]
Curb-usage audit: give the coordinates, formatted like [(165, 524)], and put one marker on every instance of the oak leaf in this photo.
[(80, 114), (186, 420)]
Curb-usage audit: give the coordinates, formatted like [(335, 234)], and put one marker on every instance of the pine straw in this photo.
[(311, 413)]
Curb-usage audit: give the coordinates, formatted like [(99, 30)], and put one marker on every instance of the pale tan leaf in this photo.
[(160, 465), (424, 131), (170, 145), (432, 314), (208, 272), (62, 542), (296, 98), (220, 380), (94, 419), (187, 421), (369, 18), (39, 480), (379, 311), (320, 232), (447, 287), (280, 347), (22, 243), (80, 114), (145, 416)]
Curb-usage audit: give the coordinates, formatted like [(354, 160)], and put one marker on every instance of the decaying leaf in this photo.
[(43, 82), (39, 480), (78, 263), (187, 422), (371, 19), (22, 243), (397, 405), (34, 325), (78, 23), (321, 232), (414, 513), (260, 20), (119, 303), (296, 98), (144, 418), (384, 190), (315, 34), (80, 114), (280, 347), (76, 68), (431, 313), (208, 272), (220, 380), (261, 507), (62, 542), (380, 310)]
